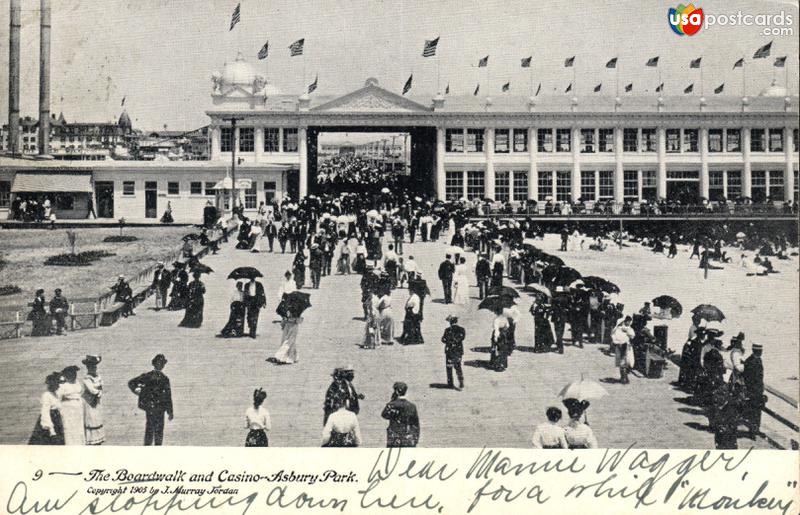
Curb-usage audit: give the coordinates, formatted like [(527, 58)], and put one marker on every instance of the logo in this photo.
[(685, 19)]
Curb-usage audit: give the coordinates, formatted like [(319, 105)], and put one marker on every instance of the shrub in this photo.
[(10, 289), (85, 258), (119, 239)]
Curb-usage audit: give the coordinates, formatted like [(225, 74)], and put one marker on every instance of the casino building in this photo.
[(504, 147)]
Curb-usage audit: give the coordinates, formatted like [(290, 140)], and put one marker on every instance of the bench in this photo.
[(111, 314), (12, 329)]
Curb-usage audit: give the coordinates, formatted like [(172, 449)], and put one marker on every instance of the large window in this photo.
[(716, 185), (272, 139), (564, 140), (5, 194), (454, 140), (690, 140), (251, 196), (673, 140), (587, 141), (520, 185), (605, 187), (195, 188), (587, 185), (563, 185), (630, 140), (269, 191), (128, 188), (545, 183), (733, 140), (453, 185), (520, 140), (605, 140), (209, 188), (630, 184), (544, 140), (649, 185), (226, 139), (649, 140), (758, 140), (475, 140), (715, 140), (775, 191), (795, 143), (475, 184), (501, 144), (246, 139), (734, 184), (776, 140), (290, 140), (173, 188), (502, 189)]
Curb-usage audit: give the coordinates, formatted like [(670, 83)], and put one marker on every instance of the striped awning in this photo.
[(52, 182)]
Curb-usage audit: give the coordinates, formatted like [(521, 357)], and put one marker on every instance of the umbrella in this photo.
[(419, 286), (191, 237), (599, 283), (671, 303), (583, 390), (455, 250), (297, 302), (709, 312), (203, 269), (504, 290), (539, 296), (541, 289), (496, 302), (550, 259), (577, 284), (245, 272), (560, 275), (385, 190), (740, 235)]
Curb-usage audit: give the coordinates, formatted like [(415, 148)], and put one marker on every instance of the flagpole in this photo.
[(744, 78), (702, 91)]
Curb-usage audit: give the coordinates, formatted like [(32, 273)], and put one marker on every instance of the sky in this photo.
[(160, 54)]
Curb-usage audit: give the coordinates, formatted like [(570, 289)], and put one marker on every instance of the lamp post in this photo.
[(234, 143)]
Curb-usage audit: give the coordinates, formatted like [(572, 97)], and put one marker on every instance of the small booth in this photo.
[(68, 191)]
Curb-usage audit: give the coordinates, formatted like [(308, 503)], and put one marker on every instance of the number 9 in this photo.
[(38, 475)]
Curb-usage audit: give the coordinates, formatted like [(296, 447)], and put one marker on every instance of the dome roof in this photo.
[(124, 120), (774, 90), (238, 72)]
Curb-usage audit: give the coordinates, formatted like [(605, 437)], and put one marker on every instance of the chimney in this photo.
[(44, 81), (13, 77)]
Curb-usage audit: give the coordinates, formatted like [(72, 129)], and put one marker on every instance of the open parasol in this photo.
[(541, 289), (191, 237), (200, 267), (504, 290), (297, 302), (560, 275), (583, 390), (245, 272), (599, 283), (709, 313), (496, 302), (670, 303)]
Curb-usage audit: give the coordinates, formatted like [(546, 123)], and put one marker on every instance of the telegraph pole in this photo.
[(234, 144)]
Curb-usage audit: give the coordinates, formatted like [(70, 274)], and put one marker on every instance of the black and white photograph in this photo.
[(498, 224)]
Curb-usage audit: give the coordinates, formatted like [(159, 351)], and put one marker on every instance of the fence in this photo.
[(639, 209)]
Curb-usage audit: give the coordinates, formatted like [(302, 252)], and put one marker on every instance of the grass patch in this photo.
[(120, 239), (85, 258), (10, 289)]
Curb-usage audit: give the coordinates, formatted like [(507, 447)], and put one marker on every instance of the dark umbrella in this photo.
[(203, 269), (297, 302), (245, 272), (504, 290), (671, 303), (496, 302), (191, 236), (709, 312), (598, 283), (419, 286), (550, 259), (540, 296), (560, 275)]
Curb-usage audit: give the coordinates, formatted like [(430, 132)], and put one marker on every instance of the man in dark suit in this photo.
[(453, 339), (315, 264), (155, 398), (159, 276), (753, 375), (403, 430), (210, 215), (254, 300), (483, 272), (270, 232), (446, 271)]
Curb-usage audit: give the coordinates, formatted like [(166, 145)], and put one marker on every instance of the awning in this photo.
[(52, 182), (227, 184)]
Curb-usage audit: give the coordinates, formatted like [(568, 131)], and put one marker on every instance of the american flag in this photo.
[(780, 62), (296, 48), (407, 86), (763, 52), (660, 88), (526, 62), (653, 61), (447, 89), (739, 63), (506, 87), (237, 16), (688, 89), (483, 62), (313, 85), (612, 63), (430, 47), (264, 52), (695, 63), (598, 87), (569, 62), (719, 89), (629, 88)]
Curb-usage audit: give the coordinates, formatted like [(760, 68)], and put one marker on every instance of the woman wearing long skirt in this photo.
[(412, 332), (543, 338), (372, 331), (235, 325), (299, 269), (461, 283), (500, 343), (257, 421), (49, 430), (287, 352), (360, 265), (193, 317), (386, 318), (70, 394), (341, 429), (92, 405), (343, 265), (39, 316)]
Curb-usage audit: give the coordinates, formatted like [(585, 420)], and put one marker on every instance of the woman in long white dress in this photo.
[(70, 394), (92, 407), (461, 283), (386, 318), (287, 353)]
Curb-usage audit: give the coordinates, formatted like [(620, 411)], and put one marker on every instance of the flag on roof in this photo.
[(506, 87), (237, 16), (598, 87), (430, 47), (296, 48), (569, 88), (763, 52), (526, 62), (629, 87), (407, 85), (688, 89), (780, 62), (538, 90), (612, 63), (695, 63), (660, 88), (121, 105), (719, 89), (739, 63), (569, 62), (264, 52), (447, 89), (483, 62), (313, 85), (477, 89), (653, 61)]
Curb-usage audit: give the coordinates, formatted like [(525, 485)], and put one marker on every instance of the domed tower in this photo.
[(238, 85), (124, 122)]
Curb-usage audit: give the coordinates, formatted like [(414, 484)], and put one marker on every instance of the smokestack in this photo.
[(44, 80), (13, 77)]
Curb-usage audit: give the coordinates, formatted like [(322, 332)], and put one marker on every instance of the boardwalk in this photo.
[(213, 378)]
